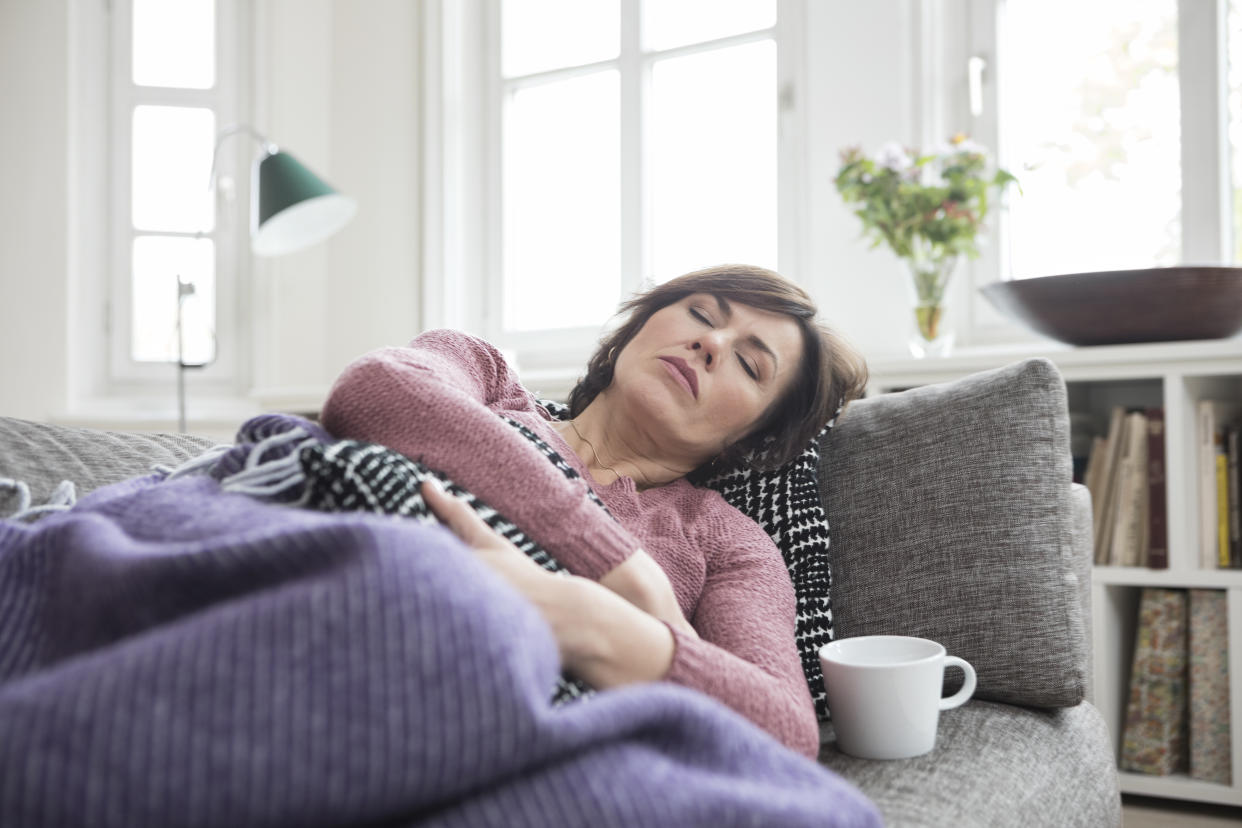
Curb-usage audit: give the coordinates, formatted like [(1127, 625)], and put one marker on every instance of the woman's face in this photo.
[(704, 371)]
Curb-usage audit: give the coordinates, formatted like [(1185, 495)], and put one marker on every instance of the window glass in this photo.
[(562, 203), (713, 159), (157, 262), (670, 23), (171, 166), (1090, 124), (537, 35), (174, 43)]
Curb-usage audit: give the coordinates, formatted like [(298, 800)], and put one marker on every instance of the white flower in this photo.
[(930, 176), (893, 156)]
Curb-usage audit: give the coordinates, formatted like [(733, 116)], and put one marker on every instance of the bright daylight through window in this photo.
[(170, 232), (1090, 124), (631, 153)]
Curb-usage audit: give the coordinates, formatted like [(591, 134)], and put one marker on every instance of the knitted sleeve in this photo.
[(746, 655), (437, 401)]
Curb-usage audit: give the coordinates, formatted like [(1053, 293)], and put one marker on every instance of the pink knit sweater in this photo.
[(437, 400)]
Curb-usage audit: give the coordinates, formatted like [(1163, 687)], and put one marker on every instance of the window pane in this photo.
[(547, 34), (175, 43), (562, 195), (713, 159), (157, 262), (172, 164), (669, 23), (1093, 135)]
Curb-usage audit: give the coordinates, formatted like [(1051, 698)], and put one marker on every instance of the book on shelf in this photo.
[(1210, 758), (1222, 502), (1154, 738), (1093, 479), (1103, 505), (1211, 417), (1233, 480), (1126, 477), (1130, 500), (1157, 492)]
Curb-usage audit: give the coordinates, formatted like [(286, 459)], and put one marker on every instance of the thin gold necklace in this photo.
[(595, 454)]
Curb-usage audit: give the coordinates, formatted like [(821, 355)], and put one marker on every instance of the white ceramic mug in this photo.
[(884, 693)]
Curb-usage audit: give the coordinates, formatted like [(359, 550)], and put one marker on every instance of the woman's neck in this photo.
[(611, 446)]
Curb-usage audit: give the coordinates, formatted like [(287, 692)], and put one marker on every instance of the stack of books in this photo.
[(1177, 717), (1218, 426), (1126, 477)]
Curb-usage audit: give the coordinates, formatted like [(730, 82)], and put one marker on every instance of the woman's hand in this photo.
[(602, 637), (641, 581), (502, 555)]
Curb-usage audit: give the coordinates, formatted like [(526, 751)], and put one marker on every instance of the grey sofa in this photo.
[(953, 518)]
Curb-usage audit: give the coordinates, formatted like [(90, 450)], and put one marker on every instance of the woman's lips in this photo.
[(683, 373)]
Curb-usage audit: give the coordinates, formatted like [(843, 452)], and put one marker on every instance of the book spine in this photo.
[(1130, 503), (1210, 734), (1209, 557), (1158, 524), (1232, 447), (1105, 508), (1154, 739), (1222, 509)]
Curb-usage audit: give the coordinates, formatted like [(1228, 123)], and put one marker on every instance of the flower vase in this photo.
[(932, 335)]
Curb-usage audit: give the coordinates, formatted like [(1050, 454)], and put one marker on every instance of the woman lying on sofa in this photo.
[(669, 582)]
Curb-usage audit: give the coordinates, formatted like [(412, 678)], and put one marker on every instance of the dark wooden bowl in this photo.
[(1119, 306)]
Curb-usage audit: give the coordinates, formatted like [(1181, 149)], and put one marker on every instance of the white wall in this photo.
[(34, 204), (860, 61), (338, 86)]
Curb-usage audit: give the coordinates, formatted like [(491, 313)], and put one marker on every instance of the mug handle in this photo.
[(968, 687)]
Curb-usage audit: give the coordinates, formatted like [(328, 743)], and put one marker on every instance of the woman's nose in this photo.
[(708, 356)]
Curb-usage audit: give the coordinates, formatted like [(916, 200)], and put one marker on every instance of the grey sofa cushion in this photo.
[(995, 764), (42, 455), (951, 516)]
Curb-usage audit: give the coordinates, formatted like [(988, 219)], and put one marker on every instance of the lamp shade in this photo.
[(293, 208)]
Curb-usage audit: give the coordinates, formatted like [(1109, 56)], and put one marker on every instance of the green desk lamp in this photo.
[(290, 208)]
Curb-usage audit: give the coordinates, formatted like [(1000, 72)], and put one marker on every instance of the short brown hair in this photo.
[(832, 372)]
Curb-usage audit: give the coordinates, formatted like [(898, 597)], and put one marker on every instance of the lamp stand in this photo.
[(184, 288)]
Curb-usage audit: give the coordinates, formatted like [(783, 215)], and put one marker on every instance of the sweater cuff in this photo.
[(602, 544), (689, 667)]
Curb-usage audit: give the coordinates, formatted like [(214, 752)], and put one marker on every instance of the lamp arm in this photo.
[(233, 129)]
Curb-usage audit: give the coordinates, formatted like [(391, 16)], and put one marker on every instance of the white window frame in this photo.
[(124, 376), (464, 94), (1206, 175)]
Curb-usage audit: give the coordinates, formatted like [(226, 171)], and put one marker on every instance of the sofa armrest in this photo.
[(953, 518), (1084, 558)]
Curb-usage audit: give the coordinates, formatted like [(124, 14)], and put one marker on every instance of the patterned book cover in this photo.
[(1154, 739), (1209, 686)]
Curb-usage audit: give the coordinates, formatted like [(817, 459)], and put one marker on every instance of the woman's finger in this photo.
[(456, 515)]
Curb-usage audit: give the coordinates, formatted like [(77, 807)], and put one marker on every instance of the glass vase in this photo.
[(932, 334)]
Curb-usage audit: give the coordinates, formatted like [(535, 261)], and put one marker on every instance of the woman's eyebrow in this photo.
[(726, 310)]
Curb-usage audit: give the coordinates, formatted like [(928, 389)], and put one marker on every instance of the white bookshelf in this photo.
[(1174, 376)]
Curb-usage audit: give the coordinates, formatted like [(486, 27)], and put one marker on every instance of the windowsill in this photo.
[(214, 417)]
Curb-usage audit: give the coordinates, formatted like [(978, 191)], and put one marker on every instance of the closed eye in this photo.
[(746, 366), (700, 316)]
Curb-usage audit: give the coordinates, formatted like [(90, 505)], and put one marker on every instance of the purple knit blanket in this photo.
[(171, 654)]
